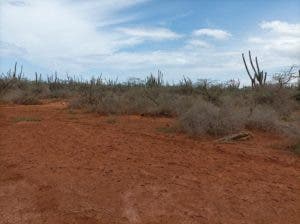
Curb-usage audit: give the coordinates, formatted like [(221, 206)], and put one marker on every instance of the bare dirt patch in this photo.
[(72, 167)]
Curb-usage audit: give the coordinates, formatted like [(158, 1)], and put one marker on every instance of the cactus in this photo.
[(36, 78), (15, 70), (152, 81), (259, 77)]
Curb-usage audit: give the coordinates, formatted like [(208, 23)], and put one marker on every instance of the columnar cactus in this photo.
[(259, 77)]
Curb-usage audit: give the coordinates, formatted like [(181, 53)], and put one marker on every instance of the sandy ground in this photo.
[(58, 166)]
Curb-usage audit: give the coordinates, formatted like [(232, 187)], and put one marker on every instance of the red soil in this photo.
[(85, 168)]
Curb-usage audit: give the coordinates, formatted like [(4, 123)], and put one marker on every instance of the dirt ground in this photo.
[(60, 166)]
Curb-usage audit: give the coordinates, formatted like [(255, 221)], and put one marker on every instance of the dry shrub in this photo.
[(263, 118), (205, 118), (41, 90), (27, 99), (231, 116), (18, 96), (132, 101), (76, 103), (280, 99), (231, 111), (164, 104), (291, 128), (108, 102), (60, 93), (25, 94), (11, 95), (184, 103)]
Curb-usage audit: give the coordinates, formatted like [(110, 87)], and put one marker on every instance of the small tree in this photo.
[(285, 77)]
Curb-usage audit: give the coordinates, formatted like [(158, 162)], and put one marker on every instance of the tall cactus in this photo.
[(259, 77), (15, 70)]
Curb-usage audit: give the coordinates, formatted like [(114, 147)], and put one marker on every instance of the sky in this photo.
[(133, 38)]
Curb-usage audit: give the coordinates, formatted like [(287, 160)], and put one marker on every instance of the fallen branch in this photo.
[(234, 137)]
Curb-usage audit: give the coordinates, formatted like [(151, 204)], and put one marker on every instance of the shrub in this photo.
[(279, 99), (184, 103), (60, 93), (232, 115), (152, 102), (42, 91), (20, 97), (205, 107), (27, 99), (263, 118), (206, 118)]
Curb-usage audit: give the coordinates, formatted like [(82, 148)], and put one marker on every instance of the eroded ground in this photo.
[(58, 166)]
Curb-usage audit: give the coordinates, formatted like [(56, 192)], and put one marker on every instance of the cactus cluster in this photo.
[(259, 77), (11, 80)]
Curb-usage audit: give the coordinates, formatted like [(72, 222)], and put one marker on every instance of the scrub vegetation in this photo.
[(202, 107)]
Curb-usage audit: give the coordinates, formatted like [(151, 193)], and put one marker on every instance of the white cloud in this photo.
[(215, 33), (150, 33), (197, 43), (11, 50), (282, 28), (256, 40), (281, 39), (51, 29)]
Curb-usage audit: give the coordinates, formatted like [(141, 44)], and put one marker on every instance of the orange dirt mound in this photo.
[(61, 166)]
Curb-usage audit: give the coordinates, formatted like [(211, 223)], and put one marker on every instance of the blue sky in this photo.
[(132, 38)]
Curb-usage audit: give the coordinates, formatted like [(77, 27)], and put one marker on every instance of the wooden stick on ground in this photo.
[(234, 137)]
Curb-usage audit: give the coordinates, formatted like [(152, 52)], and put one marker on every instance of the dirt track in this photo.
[(62, 167)]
